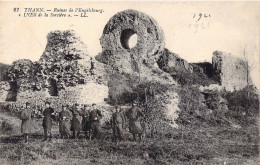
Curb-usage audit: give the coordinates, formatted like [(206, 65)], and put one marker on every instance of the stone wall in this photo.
[(65, 63), (230, 71), (65, 68), (171, 62), (34, 97), (82, 94), (4, 87)]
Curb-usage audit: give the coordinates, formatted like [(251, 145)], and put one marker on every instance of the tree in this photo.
[(247, 65)]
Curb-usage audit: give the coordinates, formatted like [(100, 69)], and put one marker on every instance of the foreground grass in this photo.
[(190, 146)]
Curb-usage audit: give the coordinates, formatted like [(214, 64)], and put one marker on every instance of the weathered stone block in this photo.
[(231, 72)]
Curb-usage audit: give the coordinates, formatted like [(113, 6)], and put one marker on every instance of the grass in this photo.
[(188, 145)]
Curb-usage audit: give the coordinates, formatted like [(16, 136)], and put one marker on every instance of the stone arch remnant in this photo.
[(123, 25), (128, 68)]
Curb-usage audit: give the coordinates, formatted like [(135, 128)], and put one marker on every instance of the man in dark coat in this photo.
[(86, 121), (118, 123), (47, 120), (134, 115), (26, 117), (95, 117), (76, 121), (64, 122)]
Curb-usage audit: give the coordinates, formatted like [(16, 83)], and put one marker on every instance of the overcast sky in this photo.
[(193, 30)]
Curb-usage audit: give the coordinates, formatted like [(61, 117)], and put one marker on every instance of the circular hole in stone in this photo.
[(128, 38)]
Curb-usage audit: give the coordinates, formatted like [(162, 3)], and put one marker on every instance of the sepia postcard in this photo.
[(129, 82)]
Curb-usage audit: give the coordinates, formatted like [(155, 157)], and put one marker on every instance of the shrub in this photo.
[(6, 127), (242, 104)]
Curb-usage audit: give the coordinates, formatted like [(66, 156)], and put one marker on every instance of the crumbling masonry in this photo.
[(66, 73)]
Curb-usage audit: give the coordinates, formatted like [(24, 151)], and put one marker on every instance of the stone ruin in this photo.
[(231, 72), (66, 73), (138, 64), (141, 60)]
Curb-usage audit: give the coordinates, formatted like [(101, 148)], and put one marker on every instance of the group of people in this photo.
[(73, 121)]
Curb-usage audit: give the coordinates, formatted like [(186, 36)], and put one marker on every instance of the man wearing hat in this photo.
[(95, 117), (64, 122), (47, 120), (85, 120), (26, 117), (134, 115), (118, 123), (75, 122)]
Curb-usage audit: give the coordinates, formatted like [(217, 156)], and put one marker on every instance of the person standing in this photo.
[(95, 117), (86, 121), (26, 117), (64, 122), (134, 115), (75, 122), (118, 123), (47, 120)]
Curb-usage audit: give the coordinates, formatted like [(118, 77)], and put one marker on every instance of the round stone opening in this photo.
[(128, 38)]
